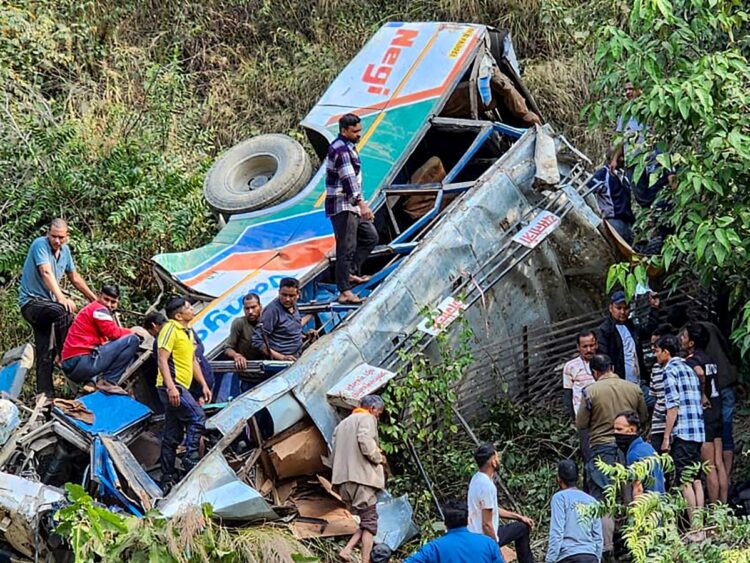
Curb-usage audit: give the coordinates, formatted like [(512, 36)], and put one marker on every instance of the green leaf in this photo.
[(721, 236), (720, 253)]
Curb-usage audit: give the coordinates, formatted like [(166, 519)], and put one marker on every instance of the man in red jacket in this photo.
[(96, 345)]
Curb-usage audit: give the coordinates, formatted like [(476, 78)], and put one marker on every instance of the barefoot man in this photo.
[(349, 213), (358, 470)]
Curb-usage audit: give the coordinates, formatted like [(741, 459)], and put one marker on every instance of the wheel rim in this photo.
[(251, 174)]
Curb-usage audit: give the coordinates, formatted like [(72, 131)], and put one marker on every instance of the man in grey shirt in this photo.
[(572, 538), (240, 347)]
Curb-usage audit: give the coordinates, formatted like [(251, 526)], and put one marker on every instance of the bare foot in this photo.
[(359, 279), (348, 298), (345, 555)]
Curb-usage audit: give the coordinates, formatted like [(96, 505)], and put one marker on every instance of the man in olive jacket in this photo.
[(603, 400), (358, 470)]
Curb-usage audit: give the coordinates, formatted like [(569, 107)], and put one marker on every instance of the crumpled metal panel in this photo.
[(21, 501), (214, 482), (395, 524), (467, 234), (250, 402), (14, 366)]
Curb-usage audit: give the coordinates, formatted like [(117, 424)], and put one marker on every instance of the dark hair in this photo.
[(153, 319), (455, 513), (250, 297), (483, 454), (585, 334), (57, 223), (601, 363), (174, 305), (663, 330), (348, 120), (567, 471), (698, 334), (111, 290), (678, 315), (289, 282), (632, 417), (669, 343)]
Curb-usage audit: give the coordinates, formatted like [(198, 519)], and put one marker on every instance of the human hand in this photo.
[(665, 444), (174, 396), (70, 305), (240, 362), (526, 520), (705, 402), (654, 300), (365, 211), (288, 358), (206, 394)]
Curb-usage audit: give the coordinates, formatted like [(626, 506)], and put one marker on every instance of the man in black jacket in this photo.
[(620, 339)]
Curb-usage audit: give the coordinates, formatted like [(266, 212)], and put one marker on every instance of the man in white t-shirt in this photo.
[(576, 377), (485, 513)]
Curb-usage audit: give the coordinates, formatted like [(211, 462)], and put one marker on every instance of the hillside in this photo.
[(113, 111)]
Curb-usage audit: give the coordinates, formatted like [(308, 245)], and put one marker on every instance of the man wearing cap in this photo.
[(357, 470), (620, 339), (178, 366)]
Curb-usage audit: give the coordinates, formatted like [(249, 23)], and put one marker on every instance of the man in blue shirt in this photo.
[(635, 448), (279, 333), (43, 304), (458, 545), (572, 538)]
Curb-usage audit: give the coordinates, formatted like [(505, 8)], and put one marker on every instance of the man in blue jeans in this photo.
[(97, 347), (458, 545)]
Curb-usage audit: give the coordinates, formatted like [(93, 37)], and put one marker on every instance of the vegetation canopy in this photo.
[(689, 58)]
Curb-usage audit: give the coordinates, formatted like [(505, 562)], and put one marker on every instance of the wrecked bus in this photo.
[(481, 211)]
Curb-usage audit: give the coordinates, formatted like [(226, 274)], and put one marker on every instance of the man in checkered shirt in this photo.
[(349, 213), (682, 398)]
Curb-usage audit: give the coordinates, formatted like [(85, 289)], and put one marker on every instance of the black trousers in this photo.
[(517, 532), (50, 321), (355, 239), (580, 558)]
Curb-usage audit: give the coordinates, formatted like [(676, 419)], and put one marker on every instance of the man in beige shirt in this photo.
[(358, 470)]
